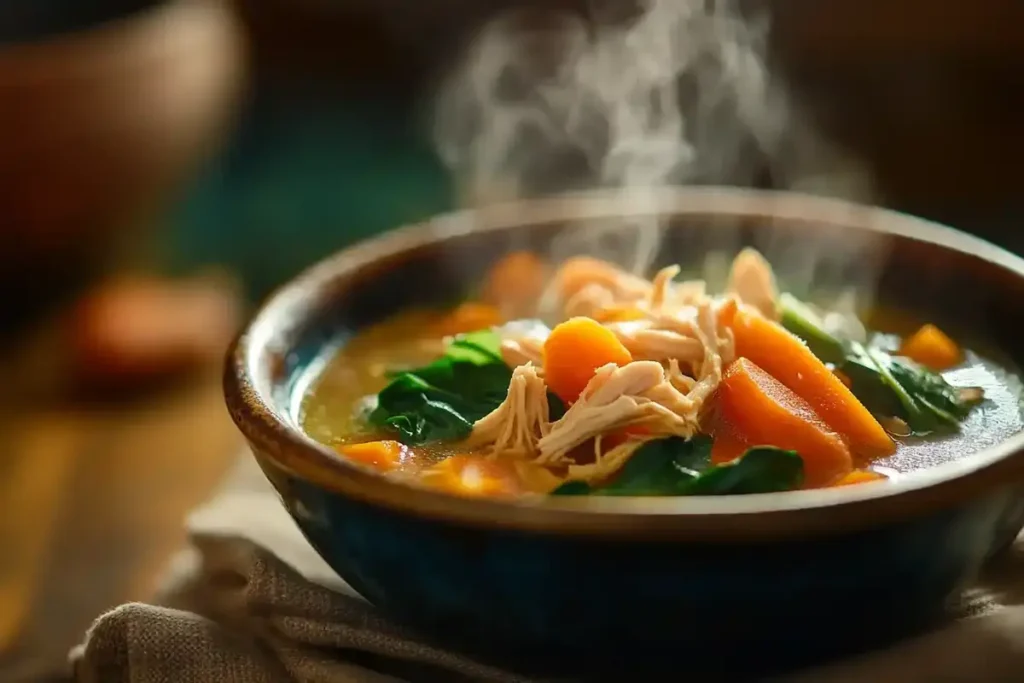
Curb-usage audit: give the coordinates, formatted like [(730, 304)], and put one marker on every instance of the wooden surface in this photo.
[(92, 500)]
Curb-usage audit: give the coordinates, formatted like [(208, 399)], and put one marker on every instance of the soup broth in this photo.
[(760, 425)]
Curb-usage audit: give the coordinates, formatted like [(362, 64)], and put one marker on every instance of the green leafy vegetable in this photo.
[(762, 469), (680, 467), (885, 384), (556, 407), (442, 400), (659, 467)]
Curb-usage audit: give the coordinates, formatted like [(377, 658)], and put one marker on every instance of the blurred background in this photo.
[(165, 163)]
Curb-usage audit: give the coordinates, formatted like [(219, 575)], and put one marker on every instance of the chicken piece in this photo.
[(752, 280), (522, 352), (516, 426), (611, 291), (646, 341), (582, 271), (589, 302), (618, 397), (606, 463), (686, 335), (523, 342), (665, 294), (661, 288)]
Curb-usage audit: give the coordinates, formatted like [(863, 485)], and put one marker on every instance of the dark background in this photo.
[(330, 149)]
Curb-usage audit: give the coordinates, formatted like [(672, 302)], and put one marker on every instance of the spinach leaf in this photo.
[(442, 400), (932, 389), (572, 488), (556, 407), (762, 469), (659, 467), (482, 346), (885, 384), (680, 467)]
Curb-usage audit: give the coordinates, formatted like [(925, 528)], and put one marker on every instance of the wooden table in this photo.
[(92, 500)]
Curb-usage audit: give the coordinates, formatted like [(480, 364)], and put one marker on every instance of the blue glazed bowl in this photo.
[(621, 588)]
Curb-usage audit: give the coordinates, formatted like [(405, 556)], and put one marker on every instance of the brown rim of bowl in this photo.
[(723, 519)]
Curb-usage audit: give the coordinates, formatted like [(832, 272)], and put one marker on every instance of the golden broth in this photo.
[(329, 412)]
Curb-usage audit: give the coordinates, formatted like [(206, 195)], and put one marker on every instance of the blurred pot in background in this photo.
[(102, 117)]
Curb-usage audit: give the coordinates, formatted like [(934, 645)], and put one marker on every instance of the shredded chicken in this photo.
[(752, 280), (520, 422), (522, 342), (589, 301), (679, 349), (516, 352), (618, 290), (605, 462), (639, 393)]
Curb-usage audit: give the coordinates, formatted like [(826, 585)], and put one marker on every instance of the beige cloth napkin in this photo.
[(251, 602)]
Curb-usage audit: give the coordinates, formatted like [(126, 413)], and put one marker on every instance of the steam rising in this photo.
[(677, 92)]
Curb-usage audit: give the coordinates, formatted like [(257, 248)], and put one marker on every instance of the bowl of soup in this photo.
[(760, 430)]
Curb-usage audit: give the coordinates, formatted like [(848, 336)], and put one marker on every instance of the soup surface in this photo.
[(586, 380)]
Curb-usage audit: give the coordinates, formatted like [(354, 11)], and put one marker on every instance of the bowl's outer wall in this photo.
[(559, 599)]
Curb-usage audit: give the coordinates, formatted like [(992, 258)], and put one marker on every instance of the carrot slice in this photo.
[(381, 455), (787, 359), (515, 283), (727, 446), (728, 442), (860, 477), (763, 412), (468, 317), (514, 275), (932, 348), (727, 312), (574, 350)]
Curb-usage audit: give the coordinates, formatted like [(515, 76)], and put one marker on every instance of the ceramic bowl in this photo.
[(102, 121), (727, 585)]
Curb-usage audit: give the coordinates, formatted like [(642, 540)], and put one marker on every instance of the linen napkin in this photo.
[(252, 602)]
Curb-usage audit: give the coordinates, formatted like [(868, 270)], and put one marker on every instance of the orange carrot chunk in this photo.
[(932, 348), (515, 283), (763, 412), (574, 350), (786, 358), (728, 444), (468, 317), (381, 455), (727, 312), (860, 477)]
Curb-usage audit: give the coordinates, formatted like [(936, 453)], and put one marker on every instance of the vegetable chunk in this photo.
[(930, 347), (759, 410), (574, 350), (786, 358), (380, 455)]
